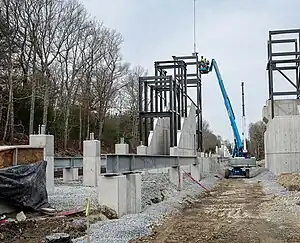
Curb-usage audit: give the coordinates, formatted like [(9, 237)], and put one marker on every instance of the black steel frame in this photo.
[(156, 91), (276, 63)]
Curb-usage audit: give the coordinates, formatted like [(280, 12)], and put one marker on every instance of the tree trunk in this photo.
[(10, 113), (67, 127), (88, 126), (6, 123), (1, 109), (100, 129), (46, 105), (33, 94), (80, 127)]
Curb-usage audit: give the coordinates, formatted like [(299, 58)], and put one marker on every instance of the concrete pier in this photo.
[(176, 177), (122, 148), (47, 142), (134, 193), (91, 162), (195, 171), (70, 174), (112, 192), (142, 150)]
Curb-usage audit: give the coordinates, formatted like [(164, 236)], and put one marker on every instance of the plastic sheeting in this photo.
[(24, 186)]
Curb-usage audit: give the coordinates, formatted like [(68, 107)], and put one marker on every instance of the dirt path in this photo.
[(231, 214)]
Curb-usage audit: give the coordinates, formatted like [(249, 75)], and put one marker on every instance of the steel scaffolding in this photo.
[(283, 61), (165, 95)]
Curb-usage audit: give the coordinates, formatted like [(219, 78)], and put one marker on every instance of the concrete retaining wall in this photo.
[(285, 107), (159, 138), (187, 135), (282, 144)]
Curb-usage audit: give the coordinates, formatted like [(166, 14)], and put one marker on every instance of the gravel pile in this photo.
[(282, 205), (72, 196), (137, 225), (155, 188), (269, 181)]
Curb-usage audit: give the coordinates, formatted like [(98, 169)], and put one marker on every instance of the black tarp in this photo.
[(24, 186)]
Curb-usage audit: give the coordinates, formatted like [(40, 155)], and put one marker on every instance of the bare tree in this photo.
[(256, 135), (9, 10)]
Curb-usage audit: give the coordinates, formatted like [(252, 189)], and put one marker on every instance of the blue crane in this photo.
[(238, 145)]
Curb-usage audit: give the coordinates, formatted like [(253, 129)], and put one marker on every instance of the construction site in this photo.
[(171, 189)]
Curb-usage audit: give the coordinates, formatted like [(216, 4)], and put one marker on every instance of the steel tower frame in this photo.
[(171, 91), (277, 62)]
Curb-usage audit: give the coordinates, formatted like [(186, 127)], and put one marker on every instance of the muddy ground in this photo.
[(36, 228), (234, 212)]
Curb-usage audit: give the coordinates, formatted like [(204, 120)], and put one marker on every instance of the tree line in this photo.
[(61, 67)]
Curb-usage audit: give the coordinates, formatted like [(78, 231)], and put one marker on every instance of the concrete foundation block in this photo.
[(91, 148), (91, 170), (46, 142), (91, 162), (70, 174), (50, 174), (112, 192), (195, 171), (121, 148), (176, 177), (134, 193), (142, 150), (186, 168)]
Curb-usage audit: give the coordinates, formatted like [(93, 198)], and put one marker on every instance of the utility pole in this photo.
[(243, 120), (195, 45)]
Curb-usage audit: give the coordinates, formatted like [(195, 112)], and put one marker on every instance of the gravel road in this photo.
[(239, 210)]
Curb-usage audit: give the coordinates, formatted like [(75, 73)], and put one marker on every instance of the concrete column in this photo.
[(112, 192), (142, 150), (176, 177), (195, 171), (46, 142), (121, 148), (70, 174), (134, 192), (91, 162)]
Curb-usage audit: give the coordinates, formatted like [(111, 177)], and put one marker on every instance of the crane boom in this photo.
[(238, 145)]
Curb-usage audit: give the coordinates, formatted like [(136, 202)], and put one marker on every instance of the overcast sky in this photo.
[(231, 31)]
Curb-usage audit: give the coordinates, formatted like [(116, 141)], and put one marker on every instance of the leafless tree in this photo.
[(256, 135)]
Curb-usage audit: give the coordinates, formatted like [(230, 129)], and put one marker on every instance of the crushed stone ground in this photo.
[(237, 211)]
